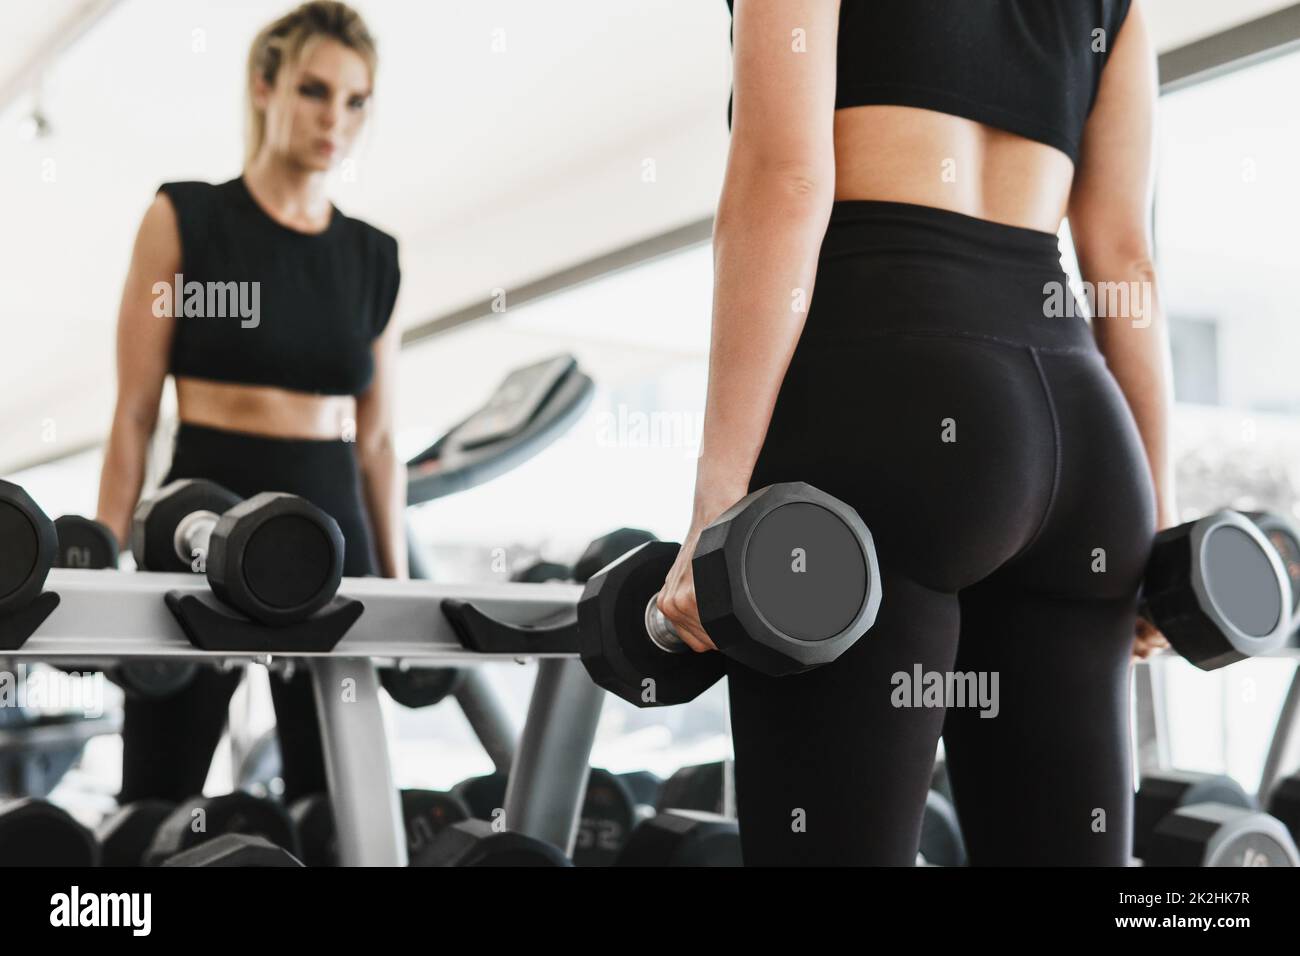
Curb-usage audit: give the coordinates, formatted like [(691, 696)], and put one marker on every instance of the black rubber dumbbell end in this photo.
[(235, 850), (612, 638), (787, 579), (276, 557), (606, 549), (84, 543), (35, 832), (28, 546), (477, 843), (1216, 588)]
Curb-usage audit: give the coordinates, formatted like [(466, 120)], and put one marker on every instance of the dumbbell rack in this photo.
[(104, 618)]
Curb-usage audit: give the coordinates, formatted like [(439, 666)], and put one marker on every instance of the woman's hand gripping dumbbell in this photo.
[(786, 579)]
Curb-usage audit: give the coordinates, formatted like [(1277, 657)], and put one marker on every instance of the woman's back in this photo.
[(975, 106)]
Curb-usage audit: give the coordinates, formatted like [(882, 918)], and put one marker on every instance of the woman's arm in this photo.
[(1110, 220), (771, 219), (383, 476), (143, 345)]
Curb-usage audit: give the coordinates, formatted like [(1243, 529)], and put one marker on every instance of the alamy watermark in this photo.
[(133, 911), (922, 688), (631, 428), (209, 300), (52, 691), (1105, 300)]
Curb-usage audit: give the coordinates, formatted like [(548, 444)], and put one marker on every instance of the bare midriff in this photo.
[(908, 155), (265, 410)]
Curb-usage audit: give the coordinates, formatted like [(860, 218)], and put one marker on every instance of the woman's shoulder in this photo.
[(370, 236), (193, 189), (193, 197), (361, 227)]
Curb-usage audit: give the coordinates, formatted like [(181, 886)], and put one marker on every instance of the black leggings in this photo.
[(168, 744), (998, 466)]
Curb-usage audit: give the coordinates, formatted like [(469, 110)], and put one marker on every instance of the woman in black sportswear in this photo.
[(270, 308), (915, 159)]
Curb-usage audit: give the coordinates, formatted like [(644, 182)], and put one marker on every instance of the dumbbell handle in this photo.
[(193, 532), (660, 630)]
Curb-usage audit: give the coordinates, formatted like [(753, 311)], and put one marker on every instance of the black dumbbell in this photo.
[(37, 833), (28, 546), (417, 687), (601, 551), (607, 549), (683, 838), (478, 843), (1216, 834), (235, 849), (275, 557), (313, 821), (1217, 589), (695, 787), (200, 819), (84, 543), (126, 834), (539, 572), (786, 580), (609, 812), (171, 528), (644, 785), (1162, 792), (425, 814)]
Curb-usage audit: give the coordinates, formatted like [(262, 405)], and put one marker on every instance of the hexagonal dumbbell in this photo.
[(1217, 589), (1161, 792), (607, 549), (85, 543), (28, 546), (683, 838), (1218, 834), (171, 528), (275, 557), (786, 579), (478, 843)]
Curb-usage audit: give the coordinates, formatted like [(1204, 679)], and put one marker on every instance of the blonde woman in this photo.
[(287, 384)]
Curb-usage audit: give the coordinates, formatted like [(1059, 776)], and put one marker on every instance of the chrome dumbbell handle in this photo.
[(192, 534), (661, 631)]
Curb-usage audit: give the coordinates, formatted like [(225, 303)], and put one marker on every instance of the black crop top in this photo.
[(272, 305), (1031, 67)]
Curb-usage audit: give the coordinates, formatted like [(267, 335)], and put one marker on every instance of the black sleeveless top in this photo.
[(1030, 67), (259, 303)]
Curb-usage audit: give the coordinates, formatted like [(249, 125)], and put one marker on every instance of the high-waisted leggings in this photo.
[(168, 744), (993, 456)]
